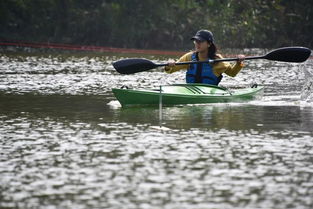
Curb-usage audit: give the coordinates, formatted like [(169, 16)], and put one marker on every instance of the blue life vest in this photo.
[(201, 73)]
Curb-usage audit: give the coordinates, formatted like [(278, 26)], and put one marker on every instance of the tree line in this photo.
[(161, 24)]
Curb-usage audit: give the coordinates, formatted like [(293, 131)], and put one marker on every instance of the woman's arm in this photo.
[(230, 69), (173, 68)]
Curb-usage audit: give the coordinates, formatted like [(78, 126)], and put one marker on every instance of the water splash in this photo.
[(114, 104), (307, 89)]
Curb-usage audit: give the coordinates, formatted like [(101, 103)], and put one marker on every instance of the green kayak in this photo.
[(185, 94)]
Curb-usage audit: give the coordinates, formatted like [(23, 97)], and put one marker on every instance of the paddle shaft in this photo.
[(286, 54), (213, 61)]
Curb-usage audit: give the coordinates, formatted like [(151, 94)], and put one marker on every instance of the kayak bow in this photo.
[(185, 94)]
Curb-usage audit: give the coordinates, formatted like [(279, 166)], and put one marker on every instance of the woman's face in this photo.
[(201, 46)]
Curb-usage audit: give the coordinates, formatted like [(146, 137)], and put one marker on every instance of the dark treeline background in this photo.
[(158, 24)]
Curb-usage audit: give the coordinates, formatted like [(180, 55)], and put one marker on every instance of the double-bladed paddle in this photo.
[(286, 54)]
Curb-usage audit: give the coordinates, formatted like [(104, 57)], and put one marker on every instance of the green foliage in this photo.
[(162, 24)]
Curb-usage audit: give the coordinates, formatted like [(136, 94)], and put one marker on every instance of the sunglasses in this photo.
[(198, 41)]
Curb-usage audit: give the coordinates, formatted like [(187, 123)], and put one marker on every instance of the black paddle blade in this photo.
[(130, 66), (289, 54)]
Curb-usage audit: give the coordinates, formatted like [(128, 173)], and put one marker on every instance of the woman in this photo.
[(205, 49)]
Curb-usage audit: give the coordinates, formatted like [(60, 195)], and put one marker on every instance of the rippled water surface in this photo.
[(65, 142)]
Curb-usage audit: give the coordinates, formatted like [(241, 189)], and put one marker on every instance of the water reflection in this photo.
[(95, 109)]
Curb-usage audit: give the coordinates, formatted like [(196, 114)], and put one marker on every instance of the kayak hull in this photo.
[(185, 94)]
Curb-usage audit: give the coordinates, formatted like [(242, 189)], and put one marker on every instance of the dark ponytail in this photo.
[(212, 51)]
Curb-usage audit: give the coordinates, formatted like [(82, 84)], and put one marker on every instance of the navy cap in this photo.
[(203, 35)]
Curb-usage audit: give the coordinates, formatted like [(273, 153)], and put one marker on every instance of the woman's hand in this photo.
[(171, 63), (241, 58)]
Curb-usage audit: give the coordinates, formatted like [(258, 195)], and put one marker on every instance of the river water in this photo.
[(65, 142)]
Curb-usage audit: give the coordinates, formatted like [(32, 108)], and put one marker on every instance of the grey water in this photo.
[(65, 142)]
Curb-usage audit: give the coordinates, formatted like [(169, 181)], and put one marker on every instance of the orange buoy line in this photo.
[(86, 48), (95, 48)]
